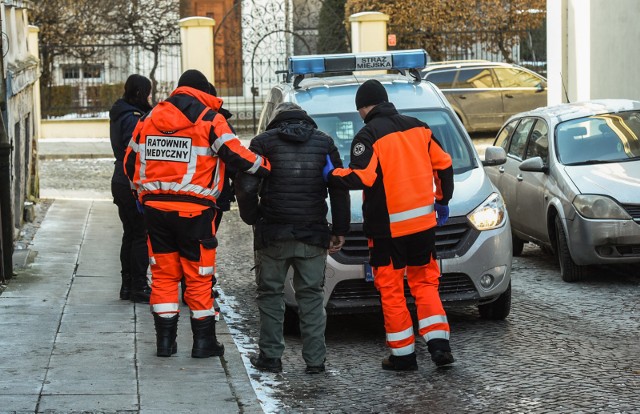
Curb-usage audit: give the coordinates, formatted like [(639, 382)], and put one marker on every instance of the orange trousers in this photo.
[(181, 243), (411, 256)]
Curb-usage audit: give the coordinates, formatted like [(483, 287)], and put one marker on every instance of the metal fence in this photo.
[(85, 80), (526, 48)]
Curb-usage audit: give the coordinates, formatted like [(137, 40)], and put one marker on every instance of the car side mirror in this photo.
[(534, 164), (494, 156)]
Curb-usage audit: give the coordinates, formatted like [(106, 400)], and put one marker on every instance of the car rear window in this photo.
[(343, 127)]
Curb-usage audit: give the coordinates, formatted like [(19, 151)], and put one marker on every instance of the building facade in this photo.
[(18, 138)]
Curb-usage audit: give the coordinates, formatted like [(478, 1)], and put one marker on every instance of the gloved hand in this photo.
[(442, 213), (328, 167), (139, 207)]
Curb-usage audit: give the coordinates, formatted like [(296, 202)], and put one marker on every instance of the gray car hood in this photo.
[(470, 189), (620, 180)]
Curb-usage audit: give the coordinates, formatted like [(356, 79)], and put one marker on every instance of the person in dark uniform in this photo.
[(134, 258)]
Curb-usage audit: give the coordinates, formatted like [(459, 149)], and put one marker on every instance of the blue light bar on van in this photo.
[(348, 62)]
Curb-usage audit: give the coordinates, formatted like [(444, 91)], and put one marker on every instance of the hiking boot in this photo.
[(442, 357), (400, 363), (318, 369), (263, 363)]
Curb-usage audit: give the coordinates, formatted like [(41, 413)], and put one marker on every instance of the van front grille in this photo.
[(357, 289), (452, 239)]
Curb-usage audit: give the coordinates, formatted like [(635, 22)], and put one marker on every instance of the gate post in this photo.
[(196, 35), (368, 32)]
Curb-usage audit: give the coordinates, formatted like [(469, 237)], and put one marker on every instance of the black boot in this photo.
[(125, 287), (166, 333), (264, 363), (440, 352), (140, 292), (400, 363), (205, 344)]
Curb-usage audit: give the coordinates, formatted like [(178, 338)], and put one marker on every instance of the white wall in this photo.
[(592, 49)]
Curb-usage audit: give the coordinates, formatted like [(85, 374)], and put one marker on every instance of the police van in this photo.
[(474, 247)]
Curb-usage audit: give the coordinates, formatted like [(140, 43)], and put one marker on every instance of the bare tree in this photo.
[(67, 23), (150, 24)]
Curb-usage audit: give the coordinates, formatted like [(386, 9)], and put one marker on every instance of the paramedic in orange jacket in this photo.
[(396, 161), (176, 161)]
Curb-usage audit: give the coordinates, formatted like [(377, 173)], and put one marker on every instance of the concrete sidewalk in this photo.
[(70, 345)]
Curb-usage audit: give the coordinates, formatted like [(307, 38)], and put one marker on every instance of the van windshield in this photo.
[(342, 127)]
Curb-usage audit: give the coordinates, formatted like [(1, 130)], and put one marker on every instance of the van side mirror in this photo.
[(534, 164), (494, 156)]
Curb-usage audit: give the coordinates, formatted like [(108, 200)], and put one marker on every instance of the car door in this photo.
[(502, 140), (475, 93), (521, 90), (511, 174), (532, 187)]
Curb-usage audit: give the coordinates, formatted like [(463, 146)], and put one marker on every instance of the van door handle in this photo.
[(508, 95), (519, 177), (501, 170)]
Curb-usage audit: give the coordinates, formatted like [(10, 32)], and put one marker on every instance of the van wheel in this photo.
[(498, 309), (291, 324), (517, 244), (569, 270)]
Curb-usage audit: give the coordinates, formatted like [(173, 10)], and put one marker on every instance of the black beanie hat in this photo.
[(371, 93), (212, 90), (194, 79)]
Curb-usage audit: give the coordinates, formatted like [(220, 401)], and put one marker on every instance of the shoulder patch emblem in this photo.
[(358, 149)]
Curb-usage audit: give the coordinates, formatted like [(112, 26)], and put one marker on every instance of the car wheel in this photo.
[(291, 324), (498, 309), (569, 270), (517, 244)]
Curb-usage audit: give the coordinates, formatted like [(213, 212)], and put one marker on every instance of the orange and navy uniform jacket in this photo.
[(179, 150), (396, 160)]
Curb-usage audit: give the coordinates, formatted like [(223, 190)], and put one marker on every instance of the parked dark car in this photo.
[(571, 182), (485, 94)]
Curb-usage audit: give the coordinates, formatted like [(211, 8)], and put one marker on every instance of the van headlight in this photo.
[(489, 215), (595, 206)]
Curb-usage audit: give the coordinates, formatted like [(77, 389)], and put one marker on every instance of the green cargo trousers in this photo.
[(308, 263)]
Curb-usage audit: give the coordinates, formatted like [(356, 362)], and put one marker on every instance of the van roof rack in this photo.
[(401, 60)]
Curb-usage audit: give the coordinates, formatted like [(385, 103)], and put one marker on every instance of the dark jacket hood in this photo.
[(294, 125)]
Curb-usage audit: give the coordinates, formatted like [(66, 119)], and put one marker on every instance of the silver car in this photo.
[(571, 182), (475, 244)]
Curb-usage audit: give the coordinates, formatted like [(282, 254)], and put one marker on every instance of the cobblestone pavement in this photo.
[(564, 348)]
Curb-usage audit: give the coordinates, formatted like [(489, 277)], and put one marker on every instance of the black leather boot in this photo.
[(400, 363), (140, 291), (440, 352), (125, 287), (205, 344), (166, 333)]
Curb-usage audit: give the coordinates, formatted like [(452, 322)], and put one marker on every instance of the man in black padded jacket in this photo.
[(288, 211)]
